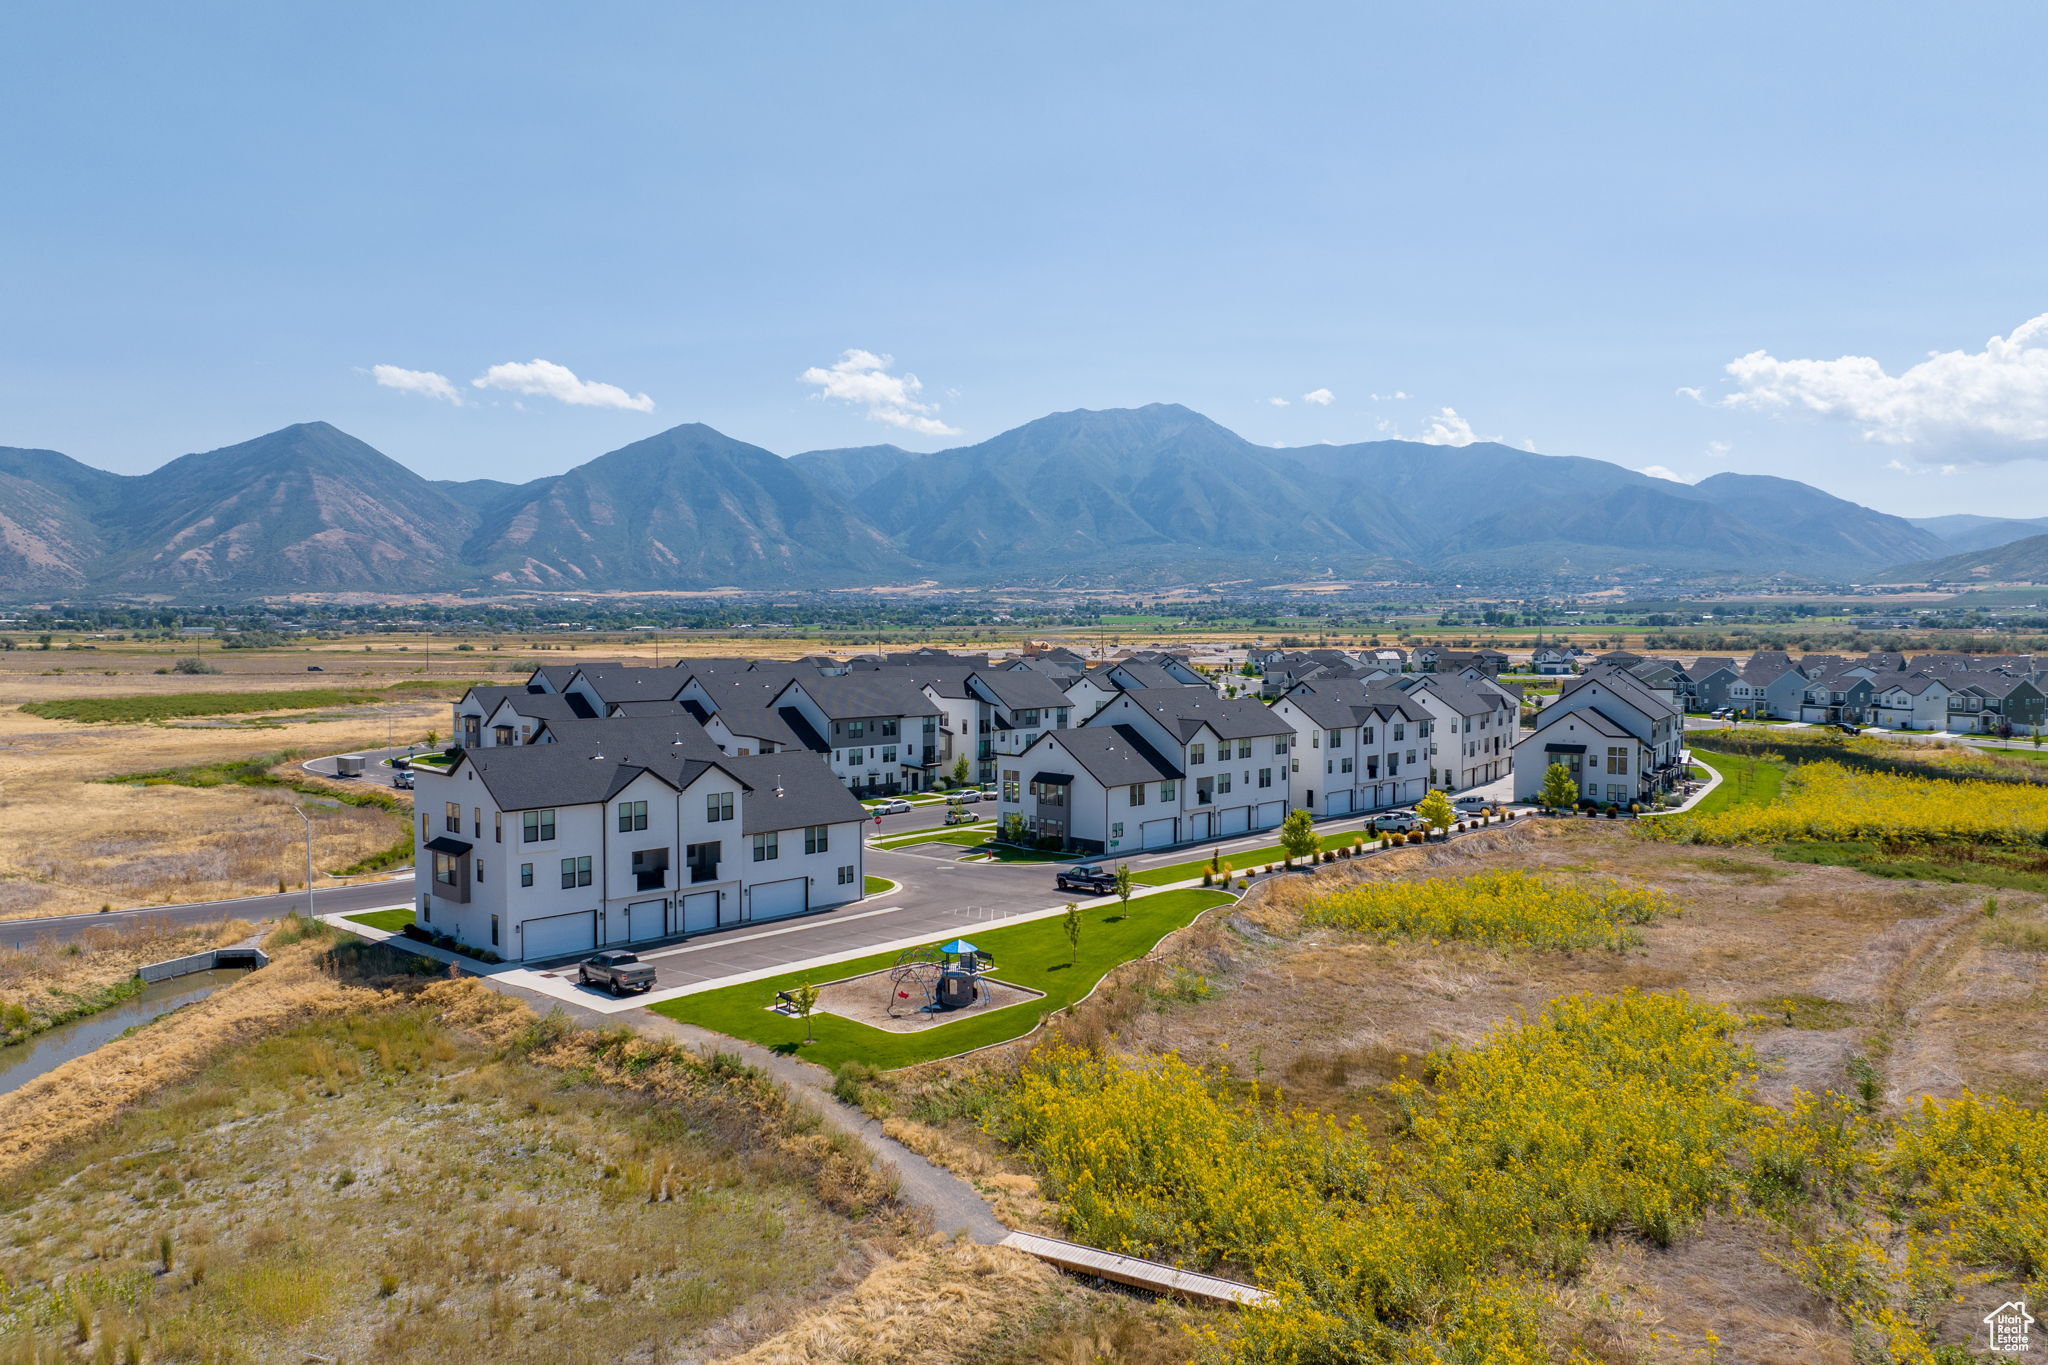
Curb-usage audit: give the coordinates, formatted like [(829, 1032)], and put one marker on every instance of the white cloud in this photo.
[(1447, 428), (1386, 397), (549, 380), (1658, 471), (1322, 398), (1278, 402), (862, 378), (1688, 391), (425, 383), (1986, 406), (1718, 450)]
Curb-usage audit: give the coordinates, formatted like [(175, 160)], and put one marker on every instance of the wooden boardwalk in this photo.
[(1134, 1271)]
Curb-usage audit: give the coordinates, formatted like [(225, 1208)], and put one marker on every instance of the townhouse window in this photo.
[(839, 755), (1294, 766), (1223, 782), (1205, 790), (846, 875), (1136, 795), (703, 861), (1372, 767), (1198, 753), (1336, 738), (856, 729), (718, 806), (888, 729), (536, 826), (447, 869), (1011, 784), (1315, 741), (494, 931), (632, 816), (479, 871), (856, 756), (1116, 831), (1365, 735), (497, 827), (650, 869), (1059, 719), (767, 847), (1329, 766), (889, 754), (1027, 718), (575, 873), (817, 839), (526, 874), (1617, 759), (1398, 735), (1244, 748), (1346, 762), (1265, 777), (1167, 790), (451, 817)]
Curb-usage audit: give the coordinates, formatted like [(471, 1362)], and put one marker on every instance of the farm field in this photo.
[(1800, 1015)]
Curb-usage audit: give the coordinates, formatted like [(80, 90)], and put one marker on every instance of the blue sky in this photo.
[(1551, 220)]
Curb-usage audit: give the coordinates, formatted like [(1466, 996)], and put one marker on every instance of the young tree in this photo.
[(806, 1000), (960, 771), (1072, 924), (1124, 883), (1298, 836), (1558, 792), (1437, 810)]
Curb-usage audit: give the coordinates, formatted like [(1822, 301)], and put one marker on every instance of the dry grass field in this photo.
[(1885, 989), (92, 971)]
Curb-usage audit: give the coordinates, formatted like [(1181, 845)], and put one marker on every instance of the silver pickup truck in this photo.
[(617, 971)]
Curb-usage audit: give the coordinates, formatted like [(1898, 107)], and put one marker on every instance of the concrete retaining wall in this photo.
[(203, 962)]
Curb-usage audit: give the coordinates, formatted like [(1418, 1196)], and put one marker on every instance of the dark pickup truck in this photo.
[(617, 971), (1084, 878)]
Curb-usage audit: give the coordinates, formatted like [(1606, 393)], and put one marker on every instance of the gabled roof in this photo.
[(590, 760), (1185, 710), (1623, 684), (549, 706), (1466, 698), (624, 682), (489, 697), (789, 791), (1708, 667), (873, 692), (1591, 716), (1114, 755), (1145, 676), (1021, 691)]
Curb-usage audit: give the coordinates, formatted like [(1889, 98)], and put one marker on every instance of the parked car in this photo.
[(957, 816), (1094, 880), (617, 970), (967, 796), (315, 668), (1846, 728), (402, 779), (1397, 821), (894, 806)]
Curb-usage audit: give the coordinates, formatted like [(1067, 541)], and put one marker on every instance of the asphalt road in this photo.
[(327, 900)]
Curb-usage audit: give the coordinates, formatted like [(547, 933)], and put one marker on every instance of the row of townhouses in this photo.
[(1958, 693), (1621, 735)]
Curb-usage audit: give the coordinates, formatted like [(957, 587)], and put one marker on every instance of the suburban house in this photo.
[(1916, 702), (1707, 683), (1357, 746), (1620, 740), (1225, 763), (1996, 704), (1474, 723), (625, 831), (880, 729), (1552, 661)]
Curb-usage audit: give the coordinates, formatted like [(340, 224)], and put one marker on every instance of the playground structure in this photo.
[(930, 980)]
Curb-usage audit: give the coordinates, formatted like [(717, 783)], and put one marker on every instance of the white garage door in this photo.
[(1236, 820), (645, 920), (1201, 826), (560, 935), (1340, 802), (700, 912), (1157, 833), (1270, 813), (772, 900)]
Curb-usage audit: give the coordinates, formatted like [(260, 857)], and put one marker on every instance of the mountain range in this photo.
[(1131, 497)]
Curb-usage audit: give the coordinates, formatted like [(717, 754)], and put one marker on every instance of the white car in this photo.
[(894, 807), (1397, 821), (1473, 801)]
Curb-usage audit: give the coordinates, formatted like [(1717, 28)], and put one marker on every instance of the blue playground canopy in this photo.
[(959, 947)]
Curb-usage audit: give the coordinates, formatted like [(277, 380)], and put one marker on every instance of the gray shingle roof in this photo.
[(1022, 691), (875, 692), (810, 794), (1184, 710), (1114, 755)]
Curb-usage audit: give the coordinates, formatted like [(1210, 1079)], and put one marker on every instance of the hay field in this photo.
[(1882, 991), (70, 843)]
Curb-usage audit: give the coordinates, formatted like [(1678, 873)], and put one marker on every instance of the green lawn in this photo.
[(1033, 954), (1241, 861), (1744, 782), (875, 886), (391, 921), (966, 835)]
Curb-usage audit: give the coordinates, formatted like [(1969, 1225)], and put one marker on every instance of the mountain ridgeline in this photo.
[(1131, 497)]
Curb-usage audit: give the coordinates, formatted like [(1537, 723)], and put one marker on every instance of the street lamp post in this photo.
[(307, 821)]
